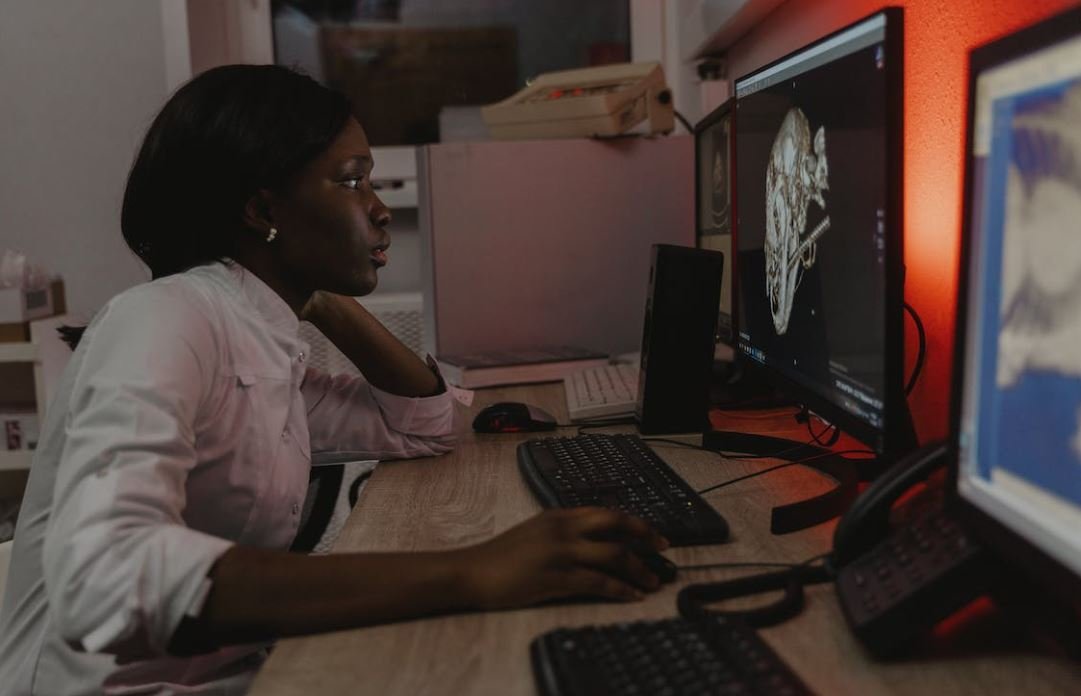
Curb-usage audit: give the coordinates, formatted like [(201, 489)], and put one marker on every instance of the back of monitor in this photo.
[(529, 243)]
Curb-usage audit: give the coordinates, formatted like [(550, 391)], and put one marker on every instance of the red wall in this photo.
[(938, 35)]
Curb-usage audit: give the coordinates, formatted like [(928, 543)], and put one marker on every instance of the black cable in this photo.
[(920, 352), (817, 437), (684, 121), (768, 455), (782, 466), (688, 445), (628, 420), (754, 564)]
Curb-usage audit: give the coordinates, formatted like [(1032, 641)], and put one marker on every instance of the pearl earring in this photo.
[(272, 234)]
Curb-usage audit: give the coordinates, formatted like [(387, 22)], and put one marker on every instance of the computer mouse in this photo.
[(664, 569), (512, 417)]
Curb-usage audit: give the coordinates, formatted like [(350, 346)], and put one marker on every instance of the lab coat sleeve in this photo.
[(348, 415), (121, 567)]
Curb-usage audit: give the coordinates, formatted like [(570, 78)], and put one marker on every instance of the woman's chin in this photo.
[(365, 284)]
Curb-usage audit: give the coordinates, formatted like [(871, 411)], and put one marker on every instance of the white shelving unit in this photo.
[(20, 353), (46, 355)]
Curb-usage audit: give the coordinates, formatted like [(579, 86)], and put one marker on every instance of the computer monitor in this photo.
[(818, 161), (713, 200), (1017, 369)]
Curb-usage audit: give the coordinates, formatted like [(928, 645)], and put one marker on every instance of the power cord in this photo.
[(804, 416), (756, 564), (921, 350), (782, 466), (684, 121), (677, 443), (593, 425)]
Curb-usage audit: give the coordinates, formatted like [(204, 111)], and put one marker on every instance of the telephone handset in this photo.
[(892, 584), (895, 584), (866, 522)]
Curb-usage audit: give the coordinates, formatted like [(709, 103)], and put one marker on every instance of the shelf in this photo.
[(709, 27), (17, 460), (18, 352)]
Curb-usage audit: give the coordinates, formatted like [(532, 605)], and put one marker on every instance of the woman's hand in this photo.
[(562, 553), (380, 357), (315, 305)]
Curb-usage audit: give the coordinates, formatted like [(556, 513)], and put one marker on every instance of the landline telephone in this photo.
[(894, 584), (606, 100)]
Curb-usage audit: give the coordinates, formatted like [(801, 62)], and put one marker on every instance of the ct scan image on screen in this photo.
[(713, 180), (811, 165), (1024, 450), (715, 215)]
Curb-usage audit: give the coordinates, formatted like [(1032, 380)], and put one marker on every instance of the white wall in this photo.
[(80, 81)]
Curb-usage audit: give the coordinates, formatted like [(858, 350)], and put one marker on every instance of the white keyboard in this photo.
[(609, 390)]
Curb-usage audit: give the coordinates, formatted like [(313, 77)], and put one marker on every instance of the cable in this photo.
[(817, 437), (684, 121), (768, 455), (782, 466), (755, 564), (629, 420), (921, 351), (746, 476), (688, 445)]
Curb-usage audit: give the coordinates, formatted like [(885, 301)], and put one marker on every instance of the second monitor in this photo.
[(819, 228)]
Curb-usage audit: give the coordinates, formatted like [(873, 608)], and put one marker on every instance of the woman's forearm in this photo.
[(383, 360), (259, 594)]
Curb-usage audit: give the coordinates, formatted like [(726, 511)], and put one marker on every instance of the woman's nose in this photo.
[(380, 215)]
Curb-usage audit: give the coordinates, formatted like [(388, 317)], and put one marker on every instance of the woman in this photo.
[(150, 552)]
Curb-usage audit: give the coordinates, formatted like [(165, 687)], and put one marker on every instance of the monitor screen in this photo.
[(818, 172), (1019, 447), (713, 195)]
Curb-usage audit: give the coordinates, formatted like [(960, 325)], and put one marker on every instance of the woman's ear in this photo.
[(257, 212)]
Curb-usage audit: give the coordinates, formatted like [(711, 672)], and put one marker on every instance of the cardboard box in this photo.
[(19, 307)]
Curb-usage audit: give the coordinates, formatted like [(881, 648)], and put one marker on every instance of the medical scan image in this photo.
[(1039, 338), (720, 207), (796, 175)]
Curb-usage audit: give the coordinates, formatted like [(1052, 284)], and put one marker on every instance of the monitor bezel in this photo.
[(1005, 543), (895, 437), (726, 109)]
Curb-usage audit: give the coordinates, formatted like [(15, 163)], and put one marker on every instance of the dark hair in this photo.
[(222, 137)]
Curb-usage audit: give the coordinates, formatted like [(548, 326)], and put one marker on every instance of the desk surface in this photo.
[(476, 492)]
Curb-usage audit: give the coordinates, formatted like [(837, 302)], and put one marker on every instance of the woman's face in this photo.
[(330, 223)]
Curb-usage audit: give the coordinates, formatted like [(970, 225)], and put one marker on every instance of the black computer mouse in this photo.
[(664, 569), (512, 417)]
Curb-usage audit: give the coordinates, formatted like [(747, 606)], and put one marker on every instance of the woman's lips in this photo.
[(379, 257)]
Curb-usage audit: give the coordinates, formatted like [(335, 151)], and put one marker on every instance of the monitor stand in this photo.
[(805, 513)]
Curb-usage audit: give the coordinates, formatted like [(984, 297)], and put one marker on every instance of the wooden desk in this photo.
[(476, 492)]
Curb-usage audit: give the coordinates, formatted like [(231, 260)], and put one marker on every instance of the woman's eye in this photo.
[(353, 182)]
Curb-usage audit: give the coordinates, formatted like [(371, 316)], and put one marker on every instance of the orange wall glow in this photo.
[(938, 35)]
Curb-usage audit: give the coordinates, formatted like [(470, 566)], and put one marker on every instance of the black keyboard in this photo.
[(619, 472), (674, 657)]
